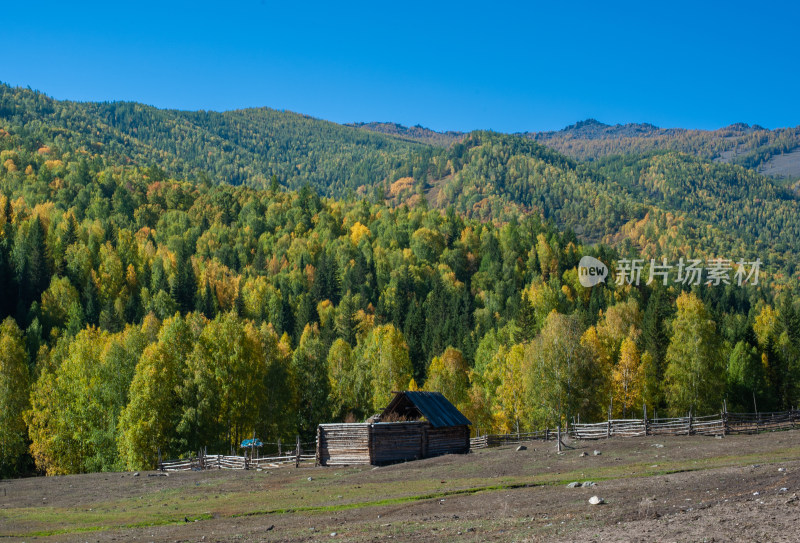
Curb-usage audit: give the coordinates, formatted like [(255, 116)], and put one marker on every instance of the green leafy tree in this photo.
[(227, 371), (14, 391), (311, 381), (384, 354), (695, 373), (150, 420), (75, 408), (746, 379), (562, 373), (346, 381), (449, 374), (276, 406)]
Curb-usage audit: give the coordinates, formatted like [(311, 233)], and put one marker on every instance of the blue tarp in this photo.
[(252, 443)]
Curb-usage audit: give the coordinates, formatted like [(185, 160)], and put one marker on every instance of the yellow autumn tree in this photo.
[(448, 374), (14, 391), (149, 421), (383, 354), (765, 325), (506, 368), (358, 231), (627, 377)]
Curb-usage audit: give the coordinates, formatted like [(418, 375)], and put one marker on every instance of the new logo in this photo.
[(591, 271)]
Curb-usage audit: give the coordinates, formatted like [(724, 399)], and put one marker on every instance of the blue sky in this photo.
[(448, 66)]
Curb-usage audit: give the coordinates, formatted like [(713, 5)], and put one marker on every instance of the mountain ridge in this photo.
[(482, 174)]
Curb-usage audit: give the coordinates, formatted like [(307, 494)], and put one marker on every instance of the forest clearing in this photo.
[(683, 488)]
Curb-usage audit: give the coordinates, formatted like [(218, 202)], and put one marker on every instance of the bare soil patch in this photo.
[(740, 488)]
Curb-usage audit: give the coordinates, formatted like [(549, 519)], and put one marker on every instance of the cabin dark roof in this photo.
[(432, 405)]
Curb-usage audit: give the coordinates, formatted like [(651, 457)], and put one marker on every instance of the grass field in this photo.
[(679, 489)]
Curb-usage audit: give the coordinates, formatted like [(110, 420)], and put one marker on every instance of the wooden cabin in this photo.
[(427, 425)]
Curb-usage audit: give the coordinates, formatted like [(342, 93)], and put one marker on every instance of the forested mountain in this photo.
[(236, 147), (664, 204), (713, 208), (151, 305), (773, 152), (416, 133)]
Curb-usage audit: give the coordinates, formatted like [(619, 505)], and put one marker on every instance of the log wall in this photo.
[(343, 444), (387, 442), (448, 440), (397, 441)]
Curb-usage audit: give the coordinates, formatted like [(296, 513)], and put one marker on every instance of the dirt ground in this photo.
[(740, 488)]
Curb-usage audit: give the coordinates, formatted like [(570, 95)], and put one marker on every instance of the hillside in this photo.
[(236, 147), (771, 152), (416, 133), (665, 204), (484, 175), (269, 310)]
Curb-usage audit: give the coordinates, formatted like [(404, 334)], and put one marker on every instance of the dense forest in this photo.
[(740, 144), (151, 304), (665, 201)]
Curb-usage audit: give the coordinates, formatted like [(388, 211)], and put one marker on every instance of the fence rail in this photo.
[(205, 461), (219, 461), (712, 425), (497, 440), (723, 423)]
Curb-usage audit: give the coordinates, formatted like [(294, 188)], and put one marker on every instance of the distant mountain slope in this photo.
[(728, 206), (416, 133), (667, 204), (500, 176), (654, 189), (239, 147), (749, 146)]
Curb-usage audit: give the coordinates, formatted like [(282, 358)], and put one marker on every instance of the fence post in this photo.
[(279, 446), (646, 432), (547, 434), (690, 423), (558, 438), (724, 418), (317, 457), (297, 451), (160, 462)]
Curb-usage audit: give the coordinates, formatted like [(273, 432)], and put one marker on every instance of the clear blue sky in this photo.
[(458, 66)]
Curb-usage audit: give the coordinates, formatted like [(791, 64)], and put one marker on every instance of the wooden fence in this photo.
[(712, 425), (498, 440), (723, 423), (204, 461)]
